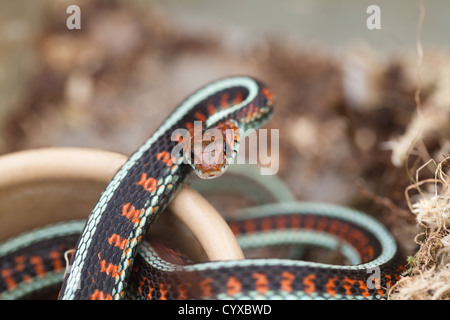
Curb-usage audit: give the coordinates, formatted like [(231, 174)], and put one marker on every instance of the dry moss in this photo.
[(429, 273)]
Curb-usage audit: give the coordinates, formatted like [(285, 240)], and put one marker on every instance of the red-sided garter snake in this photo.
[(143, 187)]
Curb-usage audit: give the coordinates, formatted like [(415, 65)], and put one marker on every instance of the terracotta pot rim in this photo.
[(64, 165)]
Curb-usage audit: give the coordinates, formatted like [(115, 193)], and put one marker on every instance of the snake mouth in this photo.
[(208, 174)]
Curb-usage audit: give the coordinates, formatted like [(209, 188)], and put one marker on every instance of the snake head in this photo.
[(212, 150)]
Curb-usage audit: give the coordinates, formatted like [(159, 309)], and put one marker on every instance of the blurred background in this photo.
[(346, 95)]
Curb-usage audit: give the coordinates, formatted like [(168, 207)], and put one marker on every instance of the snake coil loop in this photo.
[(111, 260)]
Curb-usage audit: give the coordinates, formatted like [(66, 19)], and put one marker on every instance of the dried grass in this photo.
[(429, 274)]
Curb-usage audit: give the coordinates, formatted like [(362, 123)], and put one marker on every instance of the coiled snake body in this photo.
[(105, 261)]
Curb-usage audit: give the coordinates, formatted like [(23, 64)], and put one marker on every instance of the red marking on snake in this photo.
[(400, 270), (117, 241), (211, 108), (268, 94), (130, 212), (100, 295), (182, 292), (389, 280), (368, 251), (20, 263), (189, 126), (308, 282), (334, 227), (200, 116), (238, 97), (7, 276), (165, 157), (55, 256), (364, 288), (309, 222), (163, 291), (250, 226), (347, 283), (380, 292), (343, 230), (150, 292), (261, 282), (280, 222), (38, 265), (233, 286), (321, 224), (224, 100), (255, 113), (205, 286), (331, 286), (109, 268), (359, 237), (286, 281), (295, 222), (141, 286), (27, 278), (250, 111), (266, 224), (148, 184)]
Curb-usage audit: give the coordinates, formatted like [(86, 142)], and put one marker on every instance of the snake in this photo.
[(113, 261)]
